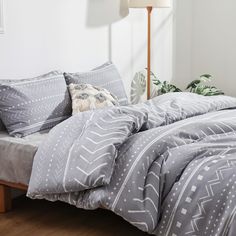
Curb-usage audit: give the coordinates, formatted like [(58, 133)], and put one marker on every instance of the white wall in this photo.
[(73, 35), (206, 42), (182, 42)]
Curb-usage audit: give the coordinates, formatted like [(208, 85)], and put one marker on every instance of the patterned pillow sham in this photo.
[(31, 105), (105, 76), (87, 97)]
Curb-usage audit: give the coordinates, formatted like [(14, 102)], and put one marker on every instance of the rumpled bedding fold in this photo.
[(144, 162)]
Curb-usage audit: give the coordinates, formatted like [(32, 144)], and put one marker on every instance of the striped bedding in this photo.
[(167, 166)]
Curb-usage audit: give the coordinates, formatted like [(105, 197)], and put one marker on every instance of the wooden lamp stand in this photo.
[(149, 10), (149, 4)]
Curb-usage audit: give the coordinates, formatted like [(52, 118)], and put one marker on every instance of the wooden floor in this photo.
[(42, 218)]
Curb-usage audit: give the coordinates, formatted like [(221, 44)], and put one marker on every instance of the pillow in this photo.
[(105, 76), (87, 97), (31, 105)]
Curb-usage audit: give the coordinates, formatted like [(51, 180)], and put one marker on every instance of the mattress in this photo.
[(16, 156)]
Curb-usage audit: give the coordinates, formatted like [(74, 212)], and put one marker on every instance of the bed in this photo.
[(16, 156), (167, 165), (16, 160)]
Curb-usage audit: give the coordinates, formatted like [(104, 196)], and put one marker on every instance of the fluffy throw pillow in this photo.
[(87, 97), (105, 76)]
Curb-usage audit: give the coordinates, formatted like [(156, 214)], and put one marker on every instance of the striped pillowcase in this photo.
[(105, 76), (31, 105)]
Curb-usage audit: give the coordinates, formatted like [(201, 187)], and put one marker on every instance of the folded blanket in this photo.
[(160, 171)]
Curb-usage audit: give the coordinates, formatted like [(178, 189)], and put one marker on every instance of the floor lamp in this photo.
[(149, 4)]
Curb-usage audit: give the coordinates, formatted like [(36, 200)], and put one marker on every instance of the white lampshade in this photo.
[(149, 3)]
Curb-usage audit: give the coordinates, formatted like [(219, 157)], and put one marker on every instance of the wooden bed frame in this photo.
[(5, 194)]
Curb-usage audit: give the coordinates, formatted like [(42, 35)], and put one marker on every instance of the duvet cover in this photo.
[(167, 166)]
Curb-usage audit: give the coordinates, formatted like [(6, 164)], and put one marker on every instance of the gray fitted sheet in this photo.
[(16, 156)]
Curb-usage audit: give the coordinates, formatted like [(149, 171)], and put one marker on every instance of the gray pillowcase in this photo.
[(106, 76), (31, 105)]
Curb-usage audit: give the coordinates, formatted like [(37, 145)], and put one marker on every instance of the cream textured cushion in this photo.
[(87, 97)]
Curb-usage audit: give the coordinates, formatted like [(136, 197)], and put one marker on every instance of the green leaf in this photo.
[(169, 88), (194, 84), (197, 86), (206, 78), (207, 90)]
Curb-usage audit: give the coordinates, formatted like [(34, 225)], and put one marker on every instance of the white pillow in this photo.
[(87, 97)]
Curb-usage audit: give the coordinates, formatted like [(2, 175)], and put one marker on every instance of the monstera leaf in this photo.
[(165, 87), (139, 87), (169, 88), (203, 78), (207, 90), (198, 86)]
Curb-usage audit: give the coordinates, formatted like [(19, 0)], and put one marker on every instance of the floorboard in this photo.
[(42, 218)]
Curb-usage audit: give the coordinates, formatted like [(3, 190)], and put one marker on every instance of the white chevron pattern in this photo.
[(146, 178), (31, 105)]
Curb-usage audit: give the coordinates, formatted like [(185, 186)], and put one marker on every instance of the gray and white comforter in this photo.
[(168, 166)]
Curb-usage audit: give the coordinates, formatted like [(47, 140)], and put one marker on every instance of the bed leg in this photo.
[(5, 199)]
